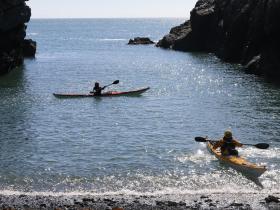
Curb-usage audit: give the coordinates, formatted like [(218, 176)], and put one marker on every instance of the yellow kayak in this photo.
[(238, 163)]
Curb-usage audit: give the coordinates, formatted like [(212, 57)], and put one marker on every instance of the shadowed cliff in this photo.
[(13, 16), (240, 31)]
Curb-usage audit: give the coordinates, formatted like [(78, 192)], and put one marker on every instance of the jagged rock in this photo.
[(175, 35), (140, 40), (13, 16), (203, 23), (236, 31), (29, 48)]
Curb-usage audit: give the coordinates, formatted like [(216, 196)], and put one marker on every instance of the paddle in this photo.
[(259, 146), (114, 83)]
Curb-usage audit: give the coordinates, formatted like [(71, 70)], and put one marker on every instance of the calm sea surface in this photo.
[(129, 145)]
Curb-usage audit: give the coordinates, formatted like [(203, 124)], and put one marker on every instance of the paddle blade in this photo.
[(200, 139), (262, 145), (116, 82)]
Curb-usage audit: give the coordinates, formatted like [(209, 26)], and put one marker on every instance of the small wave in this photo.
[(254, 152), (112, 40), (198, 157), (174, 192), (32, 34)]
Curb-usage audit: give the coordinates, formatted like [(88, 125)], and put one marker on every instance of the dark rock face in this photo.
[(176, 38), (29, 48), (140, 40), (13, 16), (241, 31)]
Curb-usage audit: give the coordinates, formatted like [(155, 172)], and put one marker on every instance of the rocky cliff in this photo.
[(13, 16), (241, 31)]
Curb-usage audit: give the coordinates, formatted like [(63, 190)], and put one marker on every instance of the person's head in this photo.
[(228, 135), (96, 84)]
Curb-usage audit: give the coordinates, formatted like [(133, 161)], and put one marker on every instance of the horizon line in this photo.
[(109, 17)]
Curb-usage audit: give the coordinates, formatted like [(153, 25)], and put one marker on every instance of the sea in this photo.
[(130, 145)]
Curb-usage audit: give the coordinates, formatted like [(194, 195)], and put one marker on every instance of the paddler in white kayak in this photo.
[(228, 144), (97, 89)]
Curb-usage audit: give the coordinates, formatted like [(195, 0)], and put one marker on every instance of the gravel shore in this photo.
[(123, 202)]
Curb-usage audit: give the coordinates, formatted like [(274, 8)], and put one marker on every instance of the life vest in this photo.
[(97, 90), (228, 145)]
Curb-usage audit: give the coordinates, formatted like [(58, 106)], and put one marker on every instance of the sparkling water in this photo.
[(130, 145)]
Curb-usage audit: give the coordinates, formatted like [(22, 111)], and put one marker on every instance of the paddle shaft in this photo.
[(252, 144), (259, 146), (106, 86), (114, 83), (241, 143)]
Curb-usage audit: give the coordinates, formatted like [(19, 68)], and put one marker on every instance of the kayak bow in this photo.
[(105, 94), (238, 163)]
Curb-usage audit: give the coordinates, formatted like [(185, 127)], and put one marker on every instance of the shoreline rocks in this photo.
[(245, 32), (14, 14), (141, 202), (140, 41)]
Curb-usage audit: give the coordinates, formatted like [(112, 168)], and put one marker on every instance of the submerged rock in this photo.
[(14, 14), (140, 40), (244, 32)]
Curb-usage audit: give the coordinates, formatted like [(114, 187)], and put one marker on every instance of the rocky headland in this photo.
[(239, 31), (13, 46)]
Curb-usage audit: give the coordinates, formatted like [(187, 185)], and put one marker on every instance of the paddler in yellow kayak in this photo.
[(228, 144)]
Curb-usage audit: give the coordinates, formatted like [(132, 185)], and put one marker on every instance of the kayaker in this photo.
[(228, 144), (97, 89)]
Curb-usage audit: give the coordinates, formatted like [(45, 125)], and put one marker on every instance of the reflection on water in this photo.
[(13, 79)]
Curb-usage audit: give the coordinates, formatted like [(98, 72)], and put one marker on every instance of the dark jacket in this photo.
[(227, 145)]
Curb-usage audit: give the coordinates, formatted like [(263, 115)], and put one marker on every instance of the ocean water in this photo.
[(130, 145)]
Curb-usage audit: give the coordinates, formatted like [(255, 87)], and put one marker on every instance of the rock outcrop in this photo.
[(29, 48), (140, 40), (13, 16), (241, 31)]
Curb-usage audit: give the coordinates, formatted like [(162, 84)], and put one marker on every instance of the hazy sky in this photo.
[(110, 8)]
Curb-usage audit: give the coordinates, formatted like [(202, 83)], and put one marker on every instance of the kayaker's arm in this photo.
[(218, 144), (237, 143)]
